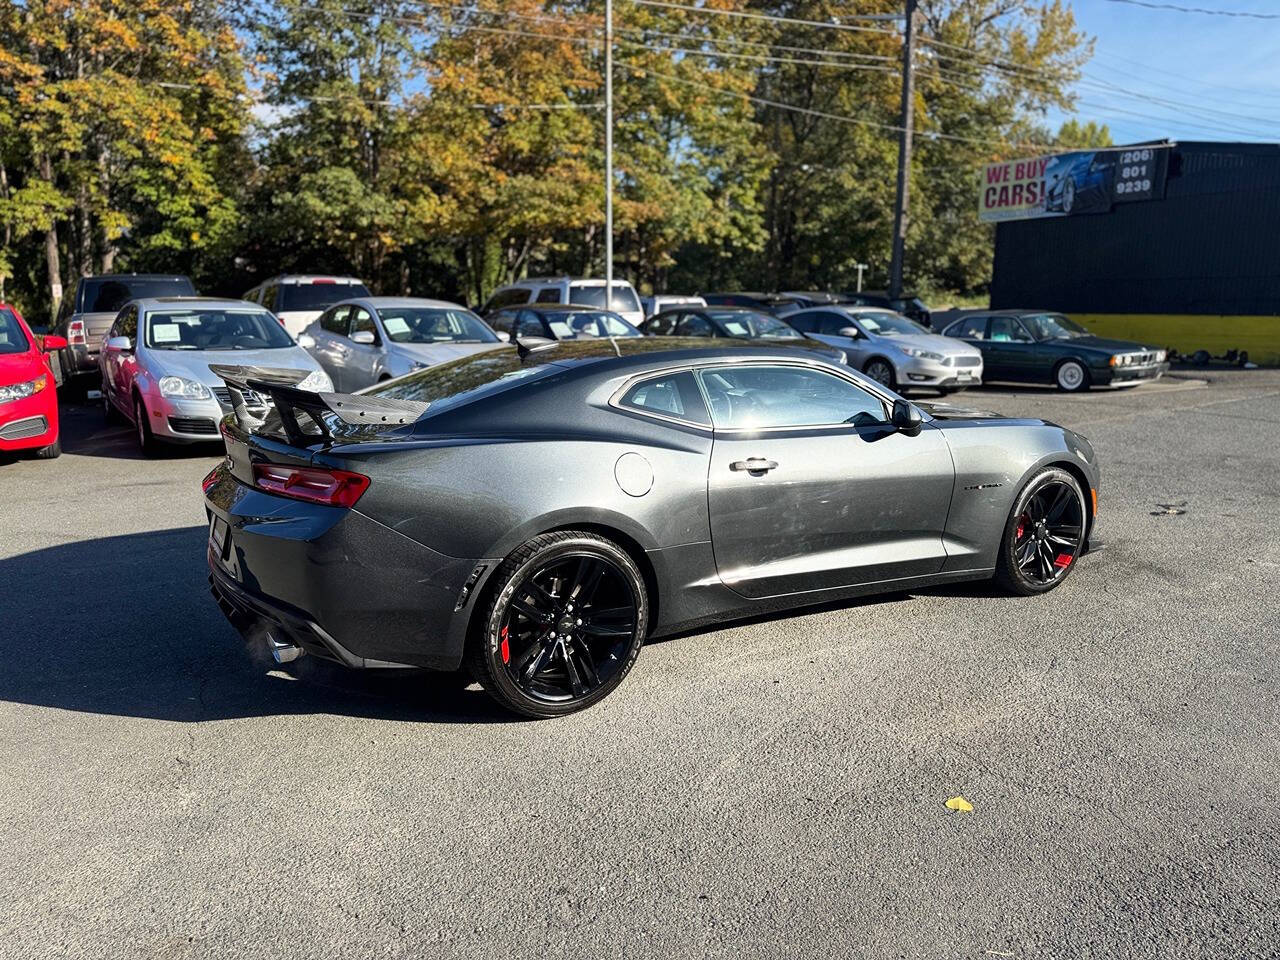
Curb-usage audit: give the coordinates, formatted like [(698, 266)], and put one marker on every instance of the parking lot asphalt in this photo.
[(773, 788)]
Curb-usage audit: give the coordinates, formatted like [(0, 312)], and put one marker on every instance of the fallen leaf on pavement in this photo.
[(961, 804)]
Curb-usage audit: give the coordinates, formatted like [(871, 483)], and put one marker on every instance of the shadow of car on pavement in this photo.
[(126, 626)]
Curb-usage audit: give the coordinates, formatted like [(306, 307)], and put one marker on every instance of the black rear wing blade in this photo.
[(332, 415)]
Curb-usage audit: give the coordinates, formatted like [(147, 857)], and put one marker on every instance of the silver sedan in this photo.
[(891, 349), (363, 341)]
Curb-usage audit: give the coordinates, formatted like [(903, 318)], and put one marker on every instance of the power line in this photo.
[(824, 115), (877, 68), (1175, 8), (772, 19)]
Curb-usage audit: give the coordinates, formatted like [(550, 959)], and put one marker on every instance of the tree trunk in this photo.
[(52, 261)]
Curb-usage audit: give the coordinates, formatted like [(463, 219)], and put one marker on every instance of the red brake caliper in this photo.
[(504, 649), (1063, 560)]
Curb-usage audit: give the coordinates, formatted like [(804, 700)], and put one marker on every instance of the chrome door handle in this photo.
[(754, 465)]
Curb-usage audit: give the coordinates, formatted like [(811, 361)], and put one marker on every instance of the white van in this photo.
[(298, 299), (586, 292)]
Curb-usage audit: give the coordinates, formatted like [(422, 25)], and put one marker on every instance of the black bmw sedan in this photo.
[(1033, 346), (532, 515)]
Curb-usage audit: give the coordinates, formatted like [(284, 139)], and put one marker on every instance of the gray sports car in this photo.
[(535, 512)]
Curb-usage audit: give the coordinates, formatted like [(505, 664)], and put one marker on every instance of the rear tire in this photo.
[(1035, 557), (567, 614), (109, 412)]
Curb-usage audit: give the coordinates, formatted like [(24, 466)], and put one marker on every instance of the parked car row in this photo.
[(150, 340)]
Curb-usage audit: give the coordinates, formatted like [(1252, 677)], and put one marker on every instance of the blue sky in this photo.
[(1221, 75)]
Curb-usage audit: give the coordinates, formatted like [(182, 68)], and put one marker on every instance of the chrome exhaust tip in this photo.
[(282, 651)]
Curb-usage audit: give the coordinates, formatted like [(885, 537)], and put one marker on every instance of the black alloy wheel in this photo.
[(565, 624), (1044, 535)]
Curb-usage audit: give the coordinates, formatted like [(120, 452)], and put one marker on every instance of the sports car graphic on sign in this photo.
[(1079, 182)]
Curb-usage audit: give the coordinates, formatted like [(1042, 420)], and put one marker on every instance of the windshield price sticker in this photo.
[(166, 333), (395, 325)]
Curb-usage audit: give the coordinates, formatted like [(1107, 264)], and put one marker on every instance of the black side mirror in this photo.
[(905, 418)]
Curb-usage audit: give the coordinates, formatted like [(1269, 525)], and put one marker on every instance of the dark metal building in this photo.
[(1210, 246)]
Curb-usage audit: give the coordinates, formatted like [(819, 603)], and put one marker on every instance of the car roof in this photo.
[(151, 303), (555, 308), (138, 276), (381, 302), (311, 278), (1008, 312)]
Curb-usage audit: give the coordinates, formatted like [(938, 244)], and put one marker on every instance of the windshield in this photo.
[(12, 338), (109, 294), (1051, 326), (434, 325), (206, 328), (624, 298), (316, 295), (888, 324), (575, 324), (746, 325)]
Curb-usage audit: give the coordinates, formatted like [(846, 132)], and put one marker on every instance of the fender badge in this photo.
[(984, 486)]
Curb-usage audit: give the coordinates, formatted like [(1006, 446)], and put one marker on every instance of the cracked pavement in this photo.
[(772, 788)]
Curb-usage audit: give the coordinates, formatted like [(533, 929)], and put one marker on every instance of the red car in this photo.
[(28, 393)]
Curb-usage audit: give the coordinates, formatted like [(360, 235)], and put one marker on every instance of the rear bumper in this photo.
[(338, 583)]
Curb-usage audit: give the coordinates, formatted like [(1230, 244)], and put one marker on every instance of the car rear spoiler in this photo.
[(335, 416)]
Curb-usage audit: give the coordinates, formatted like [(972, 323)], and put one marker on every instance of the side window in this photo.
[(786, 396), (694, 325), (362, 319), (529, 324), (970, 328), (254, 295), (671, 395), (128, 323), (501, 321), (833, 323), (807, 321), (549, 295), (663, 325), (1008, 330), (335, 321)]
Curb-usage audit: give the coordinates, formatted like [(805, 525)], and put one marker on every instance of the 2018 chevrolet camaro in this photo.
[(535, 512)]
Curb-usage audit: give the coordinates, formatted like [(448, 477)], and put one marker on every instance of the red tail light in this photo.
[(75, 332), (337, 488)]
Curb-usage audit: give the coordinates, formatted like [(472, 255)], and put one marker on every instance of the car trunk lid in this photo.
[(301, 423)]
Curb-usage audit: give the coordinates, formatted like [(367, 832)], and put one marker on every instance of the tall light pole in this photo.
[(608, 153), (904, 152)]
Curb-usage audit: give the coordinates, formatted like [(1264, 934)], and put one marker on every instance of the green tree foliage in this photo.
[(446, 148), (1075, 135), (119, 134)]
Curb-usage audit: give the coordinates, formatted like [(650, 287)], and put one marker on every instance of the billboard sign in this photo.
[(1069, 184)]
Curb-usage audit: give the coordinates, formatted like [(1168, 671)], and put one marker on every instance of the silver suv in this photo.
[(584, 292)]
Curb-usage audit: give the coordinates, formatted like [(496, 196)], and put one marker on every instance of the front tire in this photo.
[(567, 615), (881, 371), (51, 452), (1071, 376), (1044, 534), (147, 442)]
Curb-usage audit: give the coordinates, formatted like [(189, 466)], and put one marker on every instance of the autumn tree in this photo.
[(120, 123)]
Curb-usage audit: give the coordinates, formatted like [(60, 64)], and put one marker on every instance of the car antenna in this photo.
[(526, 346)]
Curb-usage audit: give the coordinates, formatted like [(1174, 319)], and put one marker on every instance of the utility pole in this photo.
[(608, 153), (904, 152)]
